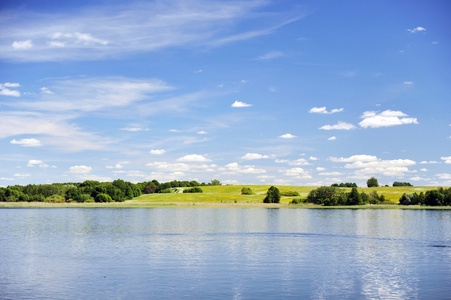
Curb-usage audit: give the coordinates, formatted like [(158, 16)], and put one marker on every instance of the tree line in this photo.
[(93, 191)]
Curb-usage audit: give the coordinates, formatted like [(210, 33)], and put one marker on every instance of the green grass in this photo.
[(230, 194)]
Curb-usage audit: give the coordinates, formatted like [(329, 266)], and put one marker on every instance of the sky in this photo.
[(281, 92)]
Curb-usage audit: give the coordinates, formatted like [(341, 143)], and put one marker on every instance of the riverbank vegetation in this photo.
[(125, 194)]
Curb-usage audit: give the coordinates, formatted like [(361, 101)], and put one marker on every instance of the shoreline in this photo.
[(136, 204)]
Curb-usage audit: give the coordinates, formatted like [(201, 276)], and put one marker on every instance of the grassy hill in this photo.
[(232, 194)]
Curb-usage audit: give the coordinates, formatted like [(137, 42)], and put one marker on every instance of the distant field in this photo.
[(232, 193)]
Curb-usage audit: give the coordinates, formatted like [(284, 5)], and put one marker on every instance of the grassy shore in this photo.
[(230, 196)]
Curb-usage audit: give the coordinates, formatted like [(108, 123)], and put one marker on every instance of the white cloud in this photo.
[(252, 156), (143, 26), (354, 158), (386, 118), (313, 158), (271, 55), (443, 175), (416, 29), (299, 162), (418, 178), (80, 169), (235, 168), (119, 165), (134, 129), (281, 161), (34, 162), (423, 170), (332, 138), (240, 104), (6, 91), (446, 159), (22, 175), (320, 169), (297, 172), (46, 90), (157, 151), (339, 126), (193, 158), (408, 82), (428, 162), (323, 110), (287, 136), (21, 45), (27, 142), (330, 174), (202, 132)]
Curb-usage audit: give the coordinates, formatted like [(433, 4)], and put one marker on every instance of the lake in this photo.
[(239, 253)]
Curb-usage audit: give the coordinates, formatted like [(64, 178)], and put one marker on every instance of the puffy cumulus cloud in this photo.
[(193, 158), (27, 142), (252, 156), (355, 158), (313, 158), (235, 168), (287, 136), (34, 162), (367, 165), (202, 132), (80, 169), (416, 29), (299, 162), (428, 162), (330, 174), (320, 169), (447, 159), (21, 45), (119, 165), (339, 126), (157, 151), (240, 104), (443, 175), (6, 89), (299, 173), (323, 110), (332, 138), (373, 119)]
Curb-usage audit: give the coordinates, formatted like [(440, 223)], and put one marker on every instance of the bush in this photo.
[(55, 199), (289, 194), (246, 191), (193, 190), (102, 197)]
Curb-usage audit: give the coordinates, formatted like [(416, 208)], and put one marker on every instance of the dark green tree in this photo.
[(372, 182), (246, 191), (103, 198), (354, 198), (272, 196)]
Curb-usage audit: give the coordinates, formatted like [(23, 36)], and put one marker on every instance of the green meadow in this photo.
[(232, 194)]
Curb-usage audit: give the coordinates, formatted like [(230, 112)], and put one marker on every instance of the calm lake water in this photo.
[(240, 253)]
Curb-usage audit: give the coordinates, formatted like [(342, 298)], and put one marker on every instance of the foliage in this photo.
[(193, 190), (102, 197), (289, 194), (397, 183), (272, 196), (372, 182), (347, 184), (246, 191)]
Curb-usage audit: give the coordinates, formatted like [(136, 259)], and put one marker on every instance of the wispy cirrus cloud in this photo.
[(271, 55), (27, 142), (118, 30)]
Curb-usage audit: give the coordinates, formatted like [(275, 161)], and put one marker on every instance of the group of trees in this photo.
[(397, 183), (438, 197), (150, 187), (94, 191), (87, 191), (347, 184), (333, 196)]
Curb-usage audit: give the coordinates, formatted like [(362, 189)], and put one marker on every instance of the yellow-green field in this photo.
[(232, 194)]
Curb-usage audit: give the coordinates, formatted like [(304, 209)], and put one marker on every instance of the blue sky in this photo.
[(246, 92)]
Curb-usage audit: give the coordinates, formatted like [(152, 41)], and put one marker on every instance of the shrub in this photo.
[(102, 197), (246, 191), (193, 190), (289, 193), (55, 199), (272, 196)]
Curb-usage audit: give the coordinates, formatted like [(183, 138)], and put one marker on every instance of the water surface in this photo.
[(241, 253)]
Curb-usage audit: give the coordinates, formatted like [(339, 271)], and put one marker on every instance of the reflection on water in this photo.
[(224, 253)]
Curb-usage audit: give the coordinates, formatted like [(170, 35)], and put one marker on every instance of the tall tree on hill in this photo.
[(372, 182)]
